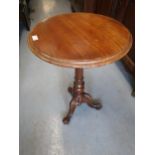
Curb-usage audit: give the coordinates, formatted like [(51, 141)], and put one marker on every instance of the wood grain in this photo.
[(80, 40)]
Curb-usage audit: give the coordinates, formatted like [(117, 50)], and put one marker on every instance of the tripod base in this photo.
[(79, 96)]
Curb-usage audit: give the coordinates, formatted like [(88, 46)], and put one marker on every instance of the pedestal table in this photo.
[(79, 40)]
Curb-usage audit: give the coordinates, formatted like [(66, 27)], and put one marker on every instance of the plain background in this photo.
[(145, 76)]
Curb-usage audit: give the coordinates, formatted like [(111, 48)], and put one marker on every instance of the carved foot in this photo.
[(90, 102), (73, 105), (66, 120), (70, 90)]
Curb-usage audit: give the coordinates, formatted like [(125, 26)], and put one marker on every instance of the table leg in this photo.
[(79, 96)]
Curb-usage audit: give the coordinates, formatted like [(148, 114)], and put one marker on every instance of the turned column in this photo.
[(78, 87)]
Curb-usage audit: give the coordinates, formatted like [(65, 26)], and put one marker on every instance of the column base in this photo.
[(79, 97)]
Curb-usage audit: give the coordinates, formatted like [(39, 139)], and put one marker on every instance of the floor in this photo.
[(44, 101)]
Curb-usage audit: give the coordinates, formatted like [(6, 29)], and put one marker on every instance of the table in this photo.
[(79, 40)]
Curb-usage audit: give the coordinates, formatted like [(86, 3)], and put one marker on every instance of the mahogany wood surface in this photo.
[(80, 40)]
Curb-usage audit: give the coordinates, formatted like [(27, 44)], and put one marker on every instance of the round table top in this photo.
[(80, 40)]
